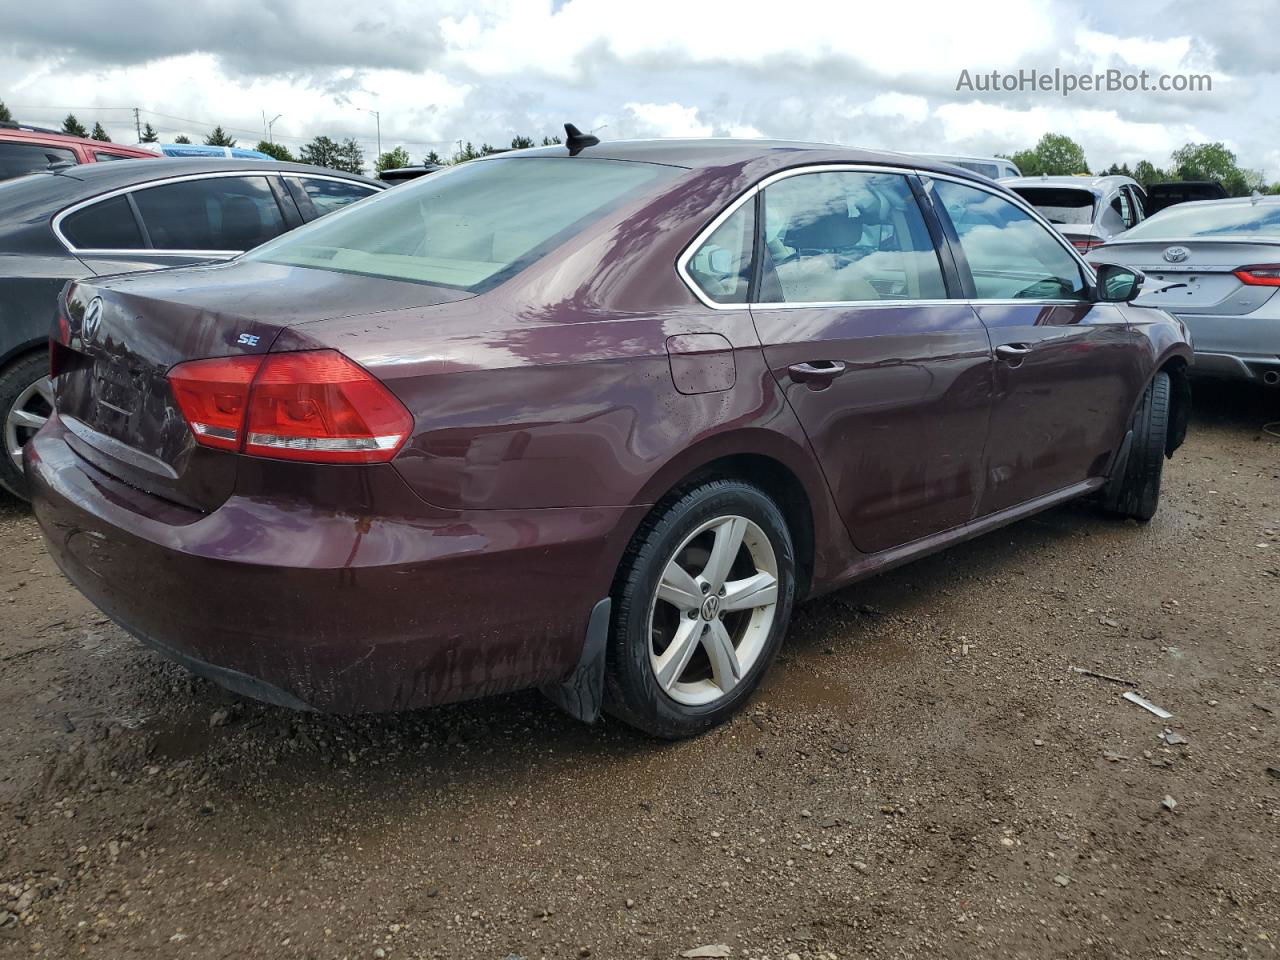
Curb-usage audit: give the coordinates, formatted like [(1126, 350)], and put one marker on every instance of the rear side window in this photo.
[(721, 266), (217, 213), (1122, 206), (330, 195), (108, 225), (1060, 205), (845, 236), (103, 157), (19, 158), (1011, 256), (471, 227)]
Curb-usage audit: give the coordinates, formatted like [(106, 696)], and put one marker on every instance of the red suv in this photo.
[(32, 149)]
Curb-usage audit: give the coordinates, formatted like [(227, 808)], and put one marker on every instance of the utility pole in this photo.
[(137, 124), (268, 124), (377, 115)]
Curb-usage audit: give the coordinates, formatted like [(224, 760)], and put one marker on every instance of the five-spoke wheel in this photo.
[(700, 607)]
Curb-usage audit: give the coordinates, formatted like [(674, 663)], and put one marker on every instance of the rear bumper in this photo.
[(337, 611), (1245, 347)]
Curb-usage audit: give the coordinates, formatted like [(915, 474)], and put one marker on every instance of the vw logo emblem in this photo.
[(710, 607), (92, 319), (1176, 254)]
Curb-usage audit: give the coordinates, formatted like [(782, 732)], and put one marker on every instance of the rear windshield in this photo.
[(469, 228), (1210, 220), (1060, 204)]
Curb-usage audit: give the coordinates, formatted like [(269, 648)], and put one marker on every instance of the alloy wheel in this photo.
[(27, 415), (714, 606)]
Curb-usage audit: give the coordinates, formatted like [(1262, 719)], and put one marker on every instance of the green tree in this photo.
[(274, 150), (1054, 154), (73, 127), (350, 157), (322, 152), (433, 157), (521, 143), (5, 115), (219, 138), (149, 134), (488, 149), (99, 133), (551, 141), (182, 138), (399, 157), (1147, 173), (468, 152), (1213, 161)]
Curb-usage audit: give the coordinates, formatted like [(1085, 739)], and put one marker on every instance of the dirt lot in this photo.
[(921, 775)]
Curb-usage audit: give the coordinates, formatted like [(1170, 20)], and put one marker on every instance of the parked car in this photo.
[(121, 217), (405, 174), (591, 417), (26, 150), (1088, 211), (204, 150), (995, 168), (1162, 195), (1215, 264)]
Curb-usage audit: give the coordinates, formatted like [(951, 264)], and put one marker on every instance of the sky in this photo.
[(879, 75)]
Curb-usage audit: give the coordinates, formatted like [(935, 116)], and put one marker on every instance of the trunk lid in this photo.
[(123, 336), (1204, 268)]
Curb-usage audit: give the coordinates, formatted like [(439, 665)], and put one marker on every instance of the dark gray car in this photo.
[(122, 217)]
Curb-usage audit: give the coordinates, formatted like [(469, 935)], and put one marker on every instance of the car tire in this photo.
[(26, 400), (1135, 492), (680, 662)]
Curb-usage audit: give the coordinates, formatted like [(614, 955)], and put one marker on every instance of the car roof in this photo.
[(90, 179), (1268, 200), (1096, 185), (707, 152), (13, 134)]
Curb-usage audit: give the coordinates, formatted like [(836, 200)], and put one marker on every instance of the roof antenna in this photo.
[(576, 140), (1255, 196)]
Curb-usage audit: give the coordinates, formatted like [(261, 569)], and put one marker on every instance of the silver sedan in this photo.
[(1215, 265)]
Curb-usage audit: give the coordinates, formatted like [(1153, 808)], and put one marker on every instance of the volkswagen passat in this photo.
[(590, 417)]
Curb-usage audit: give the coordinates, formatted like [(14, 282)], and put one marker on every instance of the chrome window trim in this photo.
[(181, 178), (703, 235)]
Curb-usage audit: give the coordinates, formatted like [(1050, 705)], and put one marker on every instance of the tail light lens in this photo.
[(1264, 275), (314, 405), (1085, 244), (213, 396)]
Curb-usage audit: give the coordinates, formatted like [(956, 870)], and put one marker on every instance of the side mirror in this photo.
[(1117, 284)]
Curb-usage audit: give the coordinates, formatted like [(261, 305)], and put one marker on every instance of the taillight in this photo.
[(314, 405), (213, 396), (1085, 244), (1264, 275)]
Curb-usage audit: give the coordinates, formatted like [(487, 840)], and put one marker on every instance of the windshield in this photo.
[(469, 228), (1060, 204), (1210, 220)]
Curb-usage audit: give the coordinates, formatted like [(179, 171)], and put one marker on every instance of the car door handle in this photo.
[(1013, 352), (819, 372)]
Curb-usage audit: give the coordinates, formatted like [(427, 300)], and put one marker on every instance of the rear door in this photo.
[(187, 220), (889, 378), (1067, 369)]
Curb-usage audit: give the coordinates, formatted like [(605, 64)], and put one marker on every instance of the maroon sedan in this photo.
[(589, 417)]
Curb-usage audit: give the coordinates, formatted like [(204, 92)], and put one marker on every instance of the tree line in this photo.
[(1056, 154)]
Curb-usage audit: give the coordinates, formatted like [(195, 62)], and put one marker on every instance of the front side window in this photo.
[(216, 213), (1010, 254), (19, 158), (846, 236), (721, 266), (330, 195), (469, 228), (108, 225)]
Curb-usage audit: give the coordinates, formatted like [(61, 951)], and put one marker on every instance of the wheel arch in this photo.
[(1179, 370)]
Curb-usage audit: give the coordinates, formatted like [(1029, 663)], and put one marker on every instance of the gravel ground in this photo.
[(921, 775)]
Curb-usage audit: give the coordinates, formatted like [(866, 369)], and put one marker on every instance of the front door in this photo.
[(889, 379), (1065, 366)]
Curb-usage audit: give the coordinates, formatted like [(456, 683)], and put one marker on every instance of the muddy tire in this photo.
[(700, 606), (1135, 491)]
